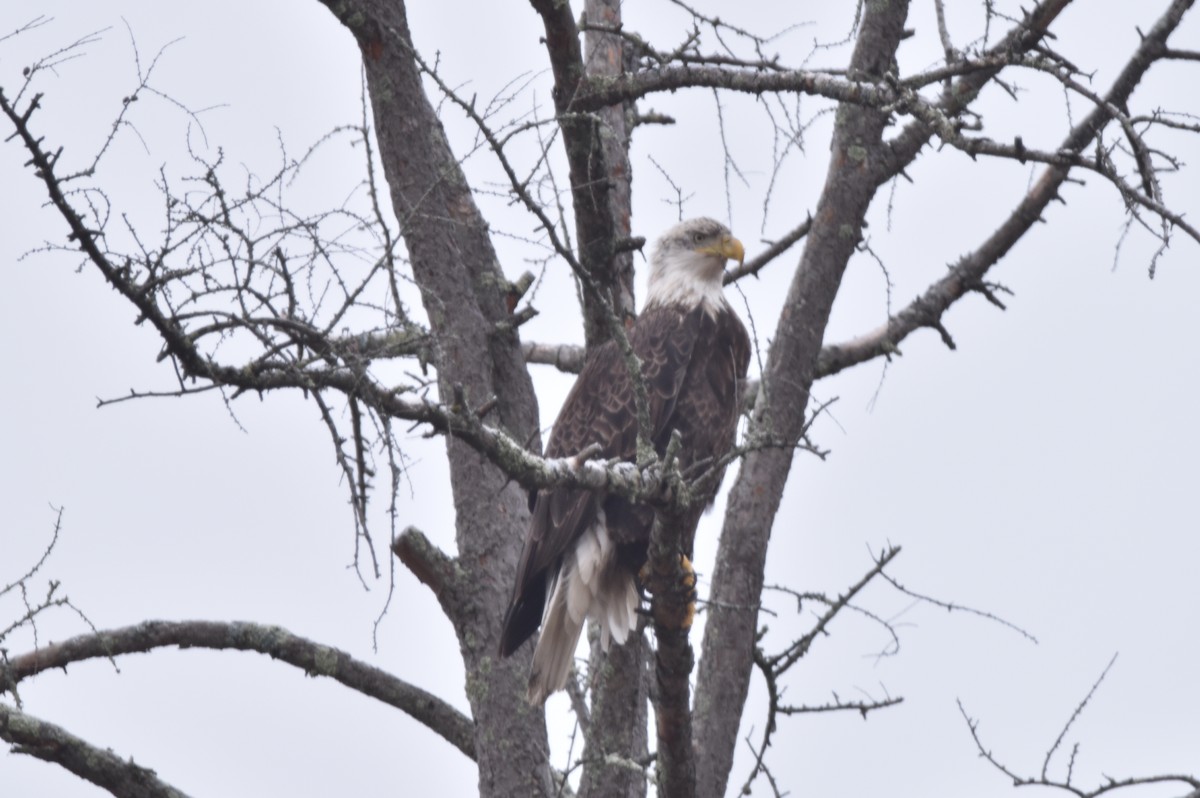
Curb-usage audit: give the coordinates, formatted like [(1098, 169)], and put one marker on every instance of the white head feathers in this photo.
[(688, 264)]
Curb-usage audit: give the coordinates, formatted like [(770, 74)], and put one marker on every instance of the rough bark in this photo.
[(604, 55), (462, 288), (671, 609), (615, 751), (618, 727), (583, 135), (277, 643), (729, 637), (51, 743), (728, 646)]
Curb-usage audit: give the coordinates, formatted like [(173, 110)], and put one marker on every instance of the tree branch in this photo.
[(852, 180), (477, 352), (773, 667), (433, 567), (1022, 37), (756, 264), (1109, 785), (968, 274), (595, 229), (51, 743), (671, 610), (600, 92), (567, 358), (343, 372), (311, 657)]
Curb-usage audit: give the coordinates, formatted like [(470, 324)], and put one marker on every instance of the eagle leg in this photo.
[(678, 610), (688, 582)]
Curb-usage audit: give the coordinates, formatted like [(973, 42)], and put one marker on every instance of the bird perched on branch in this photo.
[(584, 549)]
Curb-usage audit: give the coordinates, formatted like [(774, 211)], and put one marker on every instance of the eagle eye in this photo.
[(697, 236)]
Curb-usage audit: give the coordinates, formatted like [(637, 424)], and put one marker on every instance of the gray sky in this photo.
[(1045, 471)]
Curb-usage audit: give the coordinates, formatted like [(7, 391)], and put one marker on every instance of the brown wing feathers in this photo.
[(599, 409)]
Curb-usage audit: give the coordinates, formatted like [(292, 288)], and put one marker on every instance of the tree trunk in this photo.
[(462, 288), (729, 635), (619, 678)]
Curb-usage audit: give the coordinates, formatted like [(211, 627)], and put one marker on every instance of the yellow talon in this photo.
[(689, 573), (684, 588), (689, 582)]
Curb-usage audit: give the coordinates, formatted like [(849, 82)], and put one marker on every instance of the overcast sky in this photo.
[(1044, 471)]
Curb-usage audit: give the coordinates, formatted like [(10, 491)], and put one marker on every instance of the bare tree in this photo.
[(250, 295)]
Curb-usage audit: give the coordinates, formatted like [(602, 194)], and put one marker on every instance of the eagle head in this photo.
[(688, 263)]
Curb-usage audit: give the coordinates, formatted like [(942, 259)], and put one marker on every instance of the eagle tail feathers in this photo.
[(590, 584), (556, 646), (621, 612)]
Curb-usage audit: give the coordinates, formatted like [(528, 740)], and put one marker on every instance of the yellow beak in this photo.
[(729, 248)]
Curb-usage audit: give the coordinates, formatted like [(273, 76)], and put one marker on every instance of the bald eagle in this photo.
[(584, 549)]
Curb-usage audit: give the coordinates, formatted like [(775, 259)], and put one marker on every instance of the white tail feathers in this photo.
[(556, 645), (590, 584)]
